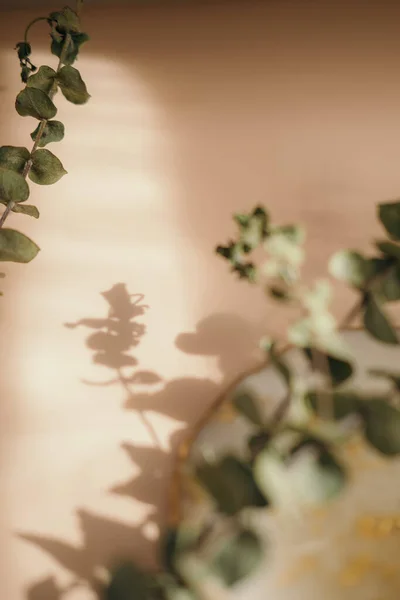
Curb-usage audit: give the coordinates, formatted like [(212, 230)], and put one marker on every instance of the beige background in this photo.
[(196, 112)]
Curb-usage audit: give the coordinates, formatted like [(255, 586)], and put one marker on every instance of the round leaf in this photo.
[(350, 267), (43, 79), (72, 85), (382, 426), (14, 158), (343, 403), (16, 247), (389, 287), (339, 369), (66, 20), (231, 484), (26, 209), (13, 187), (75, 42), (389, 215), (46, 168), (239, 556), (32, 102), (389, 248), (128, 583), (53, 132), (247, 406), (377, 323), (310, 477)]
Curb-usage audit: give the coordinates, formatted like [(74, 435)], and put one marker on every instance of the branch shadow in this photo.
[(112, 339)]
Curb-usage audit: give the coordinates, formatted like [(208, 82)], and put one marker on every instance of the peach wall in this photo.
[(196, 112)]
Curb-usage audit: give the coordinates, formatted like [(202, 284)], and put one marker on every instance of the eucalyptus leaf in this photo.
[(75, 41), (14, 158), (173, 591), (46, 168), (389, 287), (389, 215), (174, 541), (310, 477), (24, 50), (66, 20), (389, 248), (26, 209), (349, 266), (231, 484), (382, 426), (32, 102), (13, 187), (128, 582), (53, 132), (72, 85), (16, 247), (339, 369), (247, 405), (294, 233), (239, 556), (343, 404), (377, 323), (43, 79)]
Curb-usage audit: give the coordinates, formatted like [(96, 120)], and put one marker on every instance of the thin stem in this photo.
[(30, 25), (43, 123)]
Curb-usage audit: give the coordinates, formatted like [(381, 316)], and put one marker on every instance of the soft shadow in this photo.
[(112, 339), (87, 559)]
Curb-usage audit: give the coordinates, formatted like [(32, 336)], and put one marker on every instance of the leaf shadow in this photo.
[(112, 339)]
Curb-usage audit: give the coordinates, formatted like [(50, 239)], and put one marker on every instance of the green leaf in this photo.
[(172, 591), (72, 85), (13, 187), (377, 323), (231, 484), (294, 233), (310, 477), (246, 405), (343, 403), (238, 557), (339, 369), (128, 583), (349, 266), (382, 426), (43, 79), (24, 50), (175, 541), (389, 288), (27, 209), (66, 20), (52, 132), (389, 248), (76, 41), (32, 102), (393, 377), (14, 158), (253, 228), (389, 215), (16, 247), (46, 168), (280, 293)]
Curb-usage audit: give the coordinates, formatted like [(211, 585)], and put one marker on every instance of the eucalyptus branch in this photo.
[(41, 166), (43, 123)]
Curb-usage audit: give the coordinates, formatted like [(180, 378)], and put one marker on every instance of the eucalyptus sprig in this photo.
[(39, 165)]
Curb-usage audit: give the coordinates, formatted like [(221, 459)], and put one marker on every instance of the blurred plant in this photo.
[(294, 458), (36, 100)]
